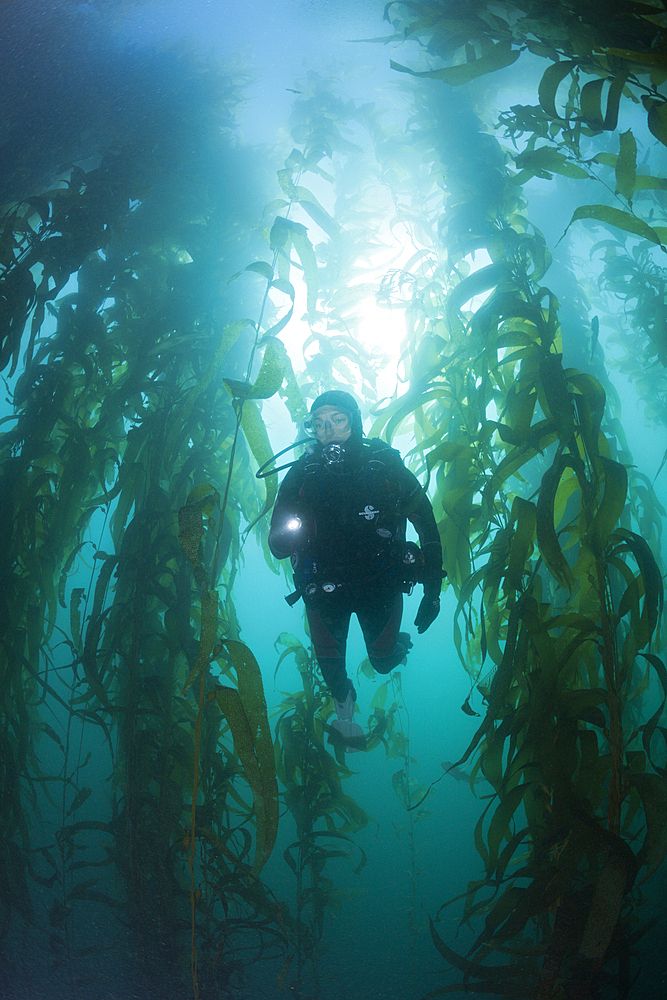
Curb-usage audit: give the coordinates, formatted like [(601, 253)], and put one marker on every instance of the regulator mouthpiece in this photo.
[(333, 454)]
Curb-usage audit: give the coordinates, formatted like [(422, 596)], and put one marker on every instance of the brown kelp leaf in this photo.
[(269, 378), (547, 539), (611, 505), (245, 711), (616, 218), (201, 501), (652, 789)]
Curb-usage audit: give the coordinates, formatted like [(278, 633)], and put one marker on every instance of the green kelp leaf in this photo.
[(651, 578), (547, 538), (207, 635), (79, 799), (555, 388), (75, 615), (613, 100), (260, 446), (227, 340), (626, 166), (652, 789), (476, 971), (288, 289), (315, 210), (494, 570), (201, 502), (498, 57), (269, 378), (304, 249), (657, 118), (611, 506), (291, 393), (245, 711), (65, 570), (651, 726), (477, 283), (615, 217), (259, 267), (524, 515), (590, 401), (285, 234), (287, 639), (282, 229), (591, 103), (500, 825), (549, 84), (543, 161)]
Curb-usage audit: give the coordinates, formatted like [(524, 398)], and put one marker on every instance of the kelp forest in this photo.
[(170, 821)]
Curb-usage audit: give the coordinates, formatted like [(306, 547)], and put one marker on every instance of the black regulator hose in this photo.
[(261, 474)]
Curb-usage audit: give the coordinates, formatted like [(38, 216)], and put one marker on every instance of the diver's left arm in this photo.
[(420, 513)]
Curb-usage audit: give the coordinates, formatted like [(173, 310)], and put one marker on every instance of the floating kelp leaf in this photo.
[(591, 103), (590, 401), (284, 234), (651, 577), (75, 615), (207, 635), (318, 214), (259, 267), (477, 283), (260, 446), (611, 505), (657, 118), (246, 713), (53, 734), (62, 582), (287, 639), (468, 709), (550, 82), (201, 502), (524, 517), (555, 390), (652, 789), (227, 340), (626, 165), (496, 57), (269, 378), (543, 161), (547, 539), (79, 799), (617, 218), (288, 289)]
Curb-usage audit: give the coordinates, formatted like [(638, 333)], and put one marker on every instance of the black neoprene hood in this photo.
[(343, 401)]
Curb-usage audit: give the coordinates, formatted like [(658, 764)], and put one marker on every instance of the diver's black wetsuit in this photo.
[(341, 516)]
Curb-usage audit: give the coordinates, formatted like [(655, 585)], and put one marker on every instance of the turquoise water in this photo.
[(77, 77)]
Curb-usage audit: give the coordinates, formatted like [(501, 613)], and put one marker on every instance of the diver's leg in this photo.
[(329, 624), (379, 615)]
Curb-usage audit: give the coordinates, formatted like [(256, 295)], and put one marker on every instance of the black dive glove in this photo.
[(429, 608)]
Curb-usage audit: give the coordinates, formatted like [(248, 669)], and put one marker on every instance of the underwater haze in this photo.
[(210, 213)]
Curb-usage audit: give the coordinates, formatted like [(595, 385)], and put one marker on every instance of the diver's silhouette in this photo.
[(340, 516)]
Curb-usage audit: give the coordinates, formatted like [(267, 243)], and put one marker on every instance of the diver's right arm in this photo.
[(288, 529)]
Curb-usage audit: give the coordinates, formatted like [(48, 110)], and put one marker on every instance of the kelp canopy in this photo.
[(145, 288)]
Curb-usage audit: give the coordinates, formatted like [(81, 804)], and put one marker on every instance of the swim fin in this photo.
[(352, 734)]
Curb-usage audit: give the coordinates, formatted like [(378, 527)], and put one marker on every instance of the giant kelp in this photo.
[(558, 584), (119, 410), (137, 411)]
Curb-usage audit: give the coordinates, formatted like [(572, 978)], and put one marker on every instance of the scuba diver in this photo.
[(340, 517)]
